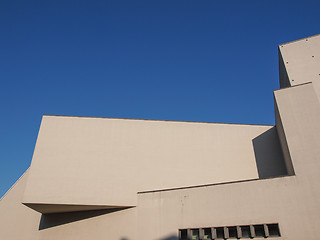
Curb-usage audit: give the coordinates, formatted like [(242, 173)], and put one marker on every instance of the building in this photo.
[(126, 179)]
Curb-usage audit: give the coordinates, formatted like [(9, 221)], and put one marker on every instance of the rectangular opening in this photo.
[(220, 232), (195, 234), (259, 230), (232, 232), (273, 230), (245, 231), (183, 233), (207, 233)]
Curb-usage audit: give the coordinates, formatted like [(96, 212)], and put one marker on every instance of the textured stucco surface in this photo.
[(99, 161)]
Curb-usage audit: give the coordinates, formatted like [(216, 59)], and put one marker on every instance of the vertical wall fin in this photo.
[(283, 141)]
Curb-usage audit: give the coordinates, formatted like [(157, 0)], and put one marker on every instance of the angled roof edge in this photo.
[(159, 120), (298, 85), (282, 44), (14, 184)]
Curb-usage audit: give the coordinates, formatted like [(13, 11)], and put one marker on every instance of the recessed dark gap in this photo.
[(273, 230), (233, 232)]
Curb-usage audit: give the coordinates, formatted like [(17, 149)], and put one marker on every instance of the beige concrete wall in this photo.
[(283, 141), (16, 220), (293, 201), (20, 222), (120, 224), (300, 62), (105, 162), (118, 158)]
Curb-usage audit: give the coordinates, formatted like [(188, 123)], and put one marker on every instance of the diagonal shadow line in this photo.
[(57, 219)]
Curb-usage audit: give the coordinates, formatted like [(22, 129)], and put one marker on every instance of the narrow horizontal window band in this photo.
[(264, 230)]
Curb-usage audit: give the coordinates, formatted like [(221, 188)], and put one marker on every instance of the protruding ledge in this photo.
[(63, 208)]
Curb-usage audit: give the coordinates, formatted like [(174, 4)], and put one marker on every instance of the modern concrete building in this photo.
[(126, 179)]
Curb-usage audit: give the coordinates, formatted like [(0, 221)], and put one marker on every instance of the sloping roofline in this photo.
[(286, 43), (158, 120)]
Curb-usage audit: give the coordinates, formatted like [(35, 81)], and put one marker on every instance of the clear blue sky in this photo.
[(212, 61)]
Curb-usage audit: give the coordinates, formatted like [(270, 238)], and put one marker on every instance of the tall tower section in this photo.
[(299, 63)]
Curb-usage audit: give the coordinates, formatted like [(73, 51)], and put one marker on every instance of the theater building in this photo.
[(130, 179)]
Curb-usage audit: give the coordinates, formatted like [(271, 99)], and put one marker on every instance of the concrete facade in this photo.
[(125, 179)]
